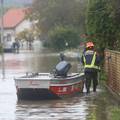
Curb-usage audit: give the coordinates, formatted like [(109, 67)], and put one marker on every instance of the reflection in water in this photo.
[(38, 63), (53, 110), (85, 107), (8, 100), (46, 62)]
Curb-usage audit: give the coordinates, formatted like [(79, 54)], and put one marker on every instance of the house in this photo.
[(15, 21)]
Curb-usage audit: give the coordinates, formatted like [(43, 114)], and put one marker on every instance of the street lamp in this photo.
[(2, 38)]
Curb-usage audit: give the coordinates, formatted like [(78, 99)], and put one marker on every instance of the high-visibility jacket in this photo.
[(90, 60)]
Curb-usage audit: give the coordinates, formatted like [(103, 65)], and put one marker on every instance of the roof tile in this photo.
[(13, 17)]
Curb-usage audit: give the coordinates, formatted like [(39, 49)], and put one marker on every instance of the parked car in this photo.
[(8, 46)]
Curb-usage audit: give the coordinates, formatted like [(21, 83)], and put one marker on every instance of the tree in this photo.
[(62, 37), (50, 13), (102, 23)]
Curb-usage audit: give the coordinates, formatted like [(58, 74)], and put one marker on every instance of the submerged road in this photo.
[(94, 106)]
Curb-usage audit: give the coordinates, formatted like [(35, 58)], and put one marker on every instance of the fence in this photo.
[(112, 69)]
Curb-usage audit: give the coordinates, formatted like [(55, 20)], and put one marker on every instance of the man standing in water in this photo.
[(91, 61)]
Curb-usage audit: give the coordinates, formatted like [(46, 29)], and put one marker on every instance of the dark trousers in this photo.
[(91, 76)]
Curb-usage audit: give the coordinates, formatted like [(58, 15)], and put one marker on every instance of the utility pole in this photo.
[(2, 38)]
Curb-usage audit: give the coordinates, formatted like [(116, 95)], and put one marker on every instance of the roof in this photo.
[(13, 17)]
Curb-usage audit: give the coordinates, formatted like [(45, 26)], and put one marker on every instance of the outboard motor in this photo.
[(62, 68)]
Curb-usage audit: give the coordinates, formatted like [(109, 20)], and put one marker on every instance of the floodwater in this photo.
[(81, 107)]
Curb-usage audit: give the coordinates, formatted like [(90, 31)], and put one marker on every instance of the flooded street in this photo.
[(81, 107)]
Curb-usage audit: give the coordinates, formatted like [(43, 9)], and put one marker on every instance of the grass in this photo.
[(114, 113)]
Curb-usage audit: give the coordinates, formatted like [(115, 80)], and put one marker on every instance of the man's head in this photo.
[(89, 45)]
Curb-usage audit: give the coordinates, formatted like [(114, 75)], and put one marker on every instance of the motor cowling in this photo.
[(62, 68)]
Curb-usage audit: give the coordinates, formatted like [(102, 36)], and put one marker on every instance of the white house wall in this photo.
[(26, 24), (11, 32)]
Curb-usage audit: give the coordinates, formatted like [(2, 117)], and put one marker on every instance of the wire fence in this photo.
[(112, 69)]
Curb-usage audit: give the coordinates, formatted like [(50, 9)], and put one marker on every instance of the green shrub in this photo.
[(114, 113), (103, 75), (62, 37), (0, 48)]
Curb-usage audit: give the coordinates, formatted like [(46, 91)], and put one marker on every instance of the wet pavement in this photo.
[(81, 107)]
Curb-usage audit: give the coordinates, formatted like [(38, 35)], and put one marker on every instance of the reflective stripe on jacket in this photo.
[(89, 59)]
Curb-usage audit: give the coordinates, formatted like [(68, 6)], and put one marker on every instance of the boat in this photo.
[(57, 84), (47, 86)]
